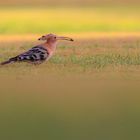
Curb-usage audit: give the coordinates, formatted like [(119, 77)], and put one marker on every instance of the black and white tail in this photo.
[(6, 62), (9, 61)]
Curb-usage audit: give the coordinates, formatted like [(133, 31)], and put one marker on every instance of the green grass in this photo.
[(85, 91), (89, 90), (98, 61), (79, 57), (43, 20)]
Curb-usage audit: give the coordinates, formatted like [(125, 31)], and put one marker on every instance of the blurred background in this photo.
[(68, 3), (75, 16), (74, 96)]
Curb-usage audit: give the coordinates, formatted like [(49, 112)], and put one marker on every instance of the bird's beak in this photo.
[(64, 38)]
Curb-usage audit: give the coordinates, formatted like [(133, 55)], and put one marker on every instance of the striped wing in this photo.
[(33, 55)]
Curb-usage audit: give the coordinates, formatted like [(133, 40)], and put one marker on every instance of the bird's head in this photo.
[(51, 38)]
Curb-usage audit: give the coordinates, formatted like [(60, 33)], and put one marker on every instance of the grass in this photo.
[(88, 90), (43, 20), (83, 55)]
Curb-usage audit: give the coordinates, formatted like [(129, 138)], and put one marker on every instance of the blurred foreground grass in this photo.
[(42, 20), (69, 108)]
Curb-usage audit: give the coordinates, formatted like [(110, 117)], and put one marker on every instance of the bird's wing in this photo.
[(35, 54)]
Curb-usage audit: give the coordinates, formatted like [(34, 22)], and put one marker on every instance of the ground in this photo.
[(88, 90), (83, 56)]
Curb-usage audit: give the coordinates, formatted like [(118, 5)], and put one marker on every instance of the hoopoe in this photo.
[(41, 52)]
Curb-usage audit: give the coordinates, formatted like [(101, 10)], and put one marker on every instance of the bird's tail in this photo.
[(8, 61)]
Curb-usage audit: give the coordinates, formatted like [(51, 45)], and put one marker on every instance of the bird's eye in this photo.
[(55, 37)]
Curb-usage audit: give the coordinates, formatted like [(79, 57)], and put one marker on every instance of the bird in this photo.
[(41, 52)]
